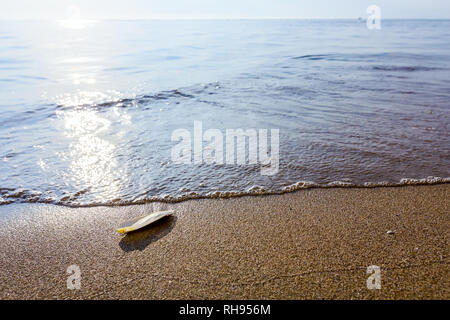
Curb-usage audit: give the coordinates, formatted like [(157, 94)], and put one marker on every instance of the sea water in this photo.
[(88, 108)]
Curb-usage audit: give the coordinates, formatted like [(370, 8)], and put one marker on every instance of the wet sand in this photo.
[(313, 243)]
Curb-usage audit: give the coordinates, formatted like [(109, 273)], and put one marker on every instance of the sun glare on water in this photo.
[(74, 20)]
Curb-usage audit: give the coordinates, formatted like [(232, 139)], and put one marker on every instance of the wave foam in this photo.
[(9, 196)]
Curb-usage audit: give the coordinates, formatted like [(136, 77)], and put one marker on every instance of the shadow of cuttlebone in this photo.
[(140, 239)]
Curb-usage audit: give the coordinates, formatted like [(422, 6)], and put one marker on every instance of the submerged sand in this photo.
[(313, 243)]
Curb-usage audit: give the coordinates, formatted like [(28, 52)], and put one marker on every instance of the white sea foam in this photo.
[(25, 196)]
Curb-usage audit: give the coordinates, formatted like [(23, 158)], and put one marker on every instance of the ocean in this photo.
[(88, 109)]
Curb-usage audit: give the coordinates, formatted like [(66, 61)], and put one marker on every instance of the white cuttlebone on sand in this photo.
[(142, 221)]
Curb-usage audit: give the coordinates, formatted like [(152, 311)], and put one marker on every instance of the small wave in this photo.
[(313, 57), (144, 99), (299, 185), (379, 58), (9, 196), (403, 68), (3, 201)]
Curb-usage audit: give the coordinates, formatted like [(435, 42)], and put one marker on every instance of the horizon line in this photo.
[(212, 18)]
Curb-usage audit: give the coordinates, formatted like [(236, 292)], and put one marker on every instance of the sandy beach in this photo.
[(310, 244)]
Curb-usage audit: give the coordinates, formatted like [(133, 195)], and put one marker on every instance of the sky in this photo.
[(220, 9)]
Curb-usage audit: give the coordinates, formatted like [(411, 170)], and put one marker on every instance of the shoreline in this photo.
[(313, 243), (306, 185)]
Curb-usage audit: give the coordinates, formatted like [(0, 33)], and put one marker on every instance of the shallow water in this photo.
[(87, 109)]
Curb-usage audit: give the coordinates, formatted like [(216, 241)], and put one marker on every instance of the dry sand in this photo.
[(313, 243)]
